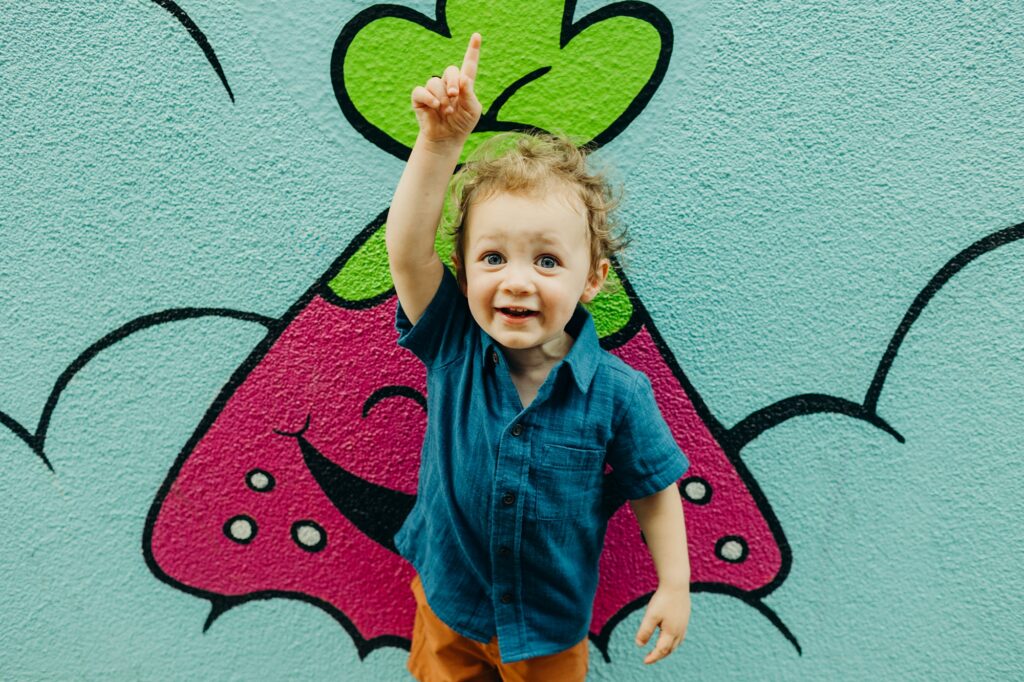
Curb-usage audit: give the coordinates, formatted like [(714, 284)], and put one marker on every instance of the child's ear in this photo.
[(460, 273), (597, 278)]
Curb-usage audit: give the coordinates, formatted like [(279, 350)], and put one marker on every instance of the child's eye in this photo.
[(547, 262), (493, 259)]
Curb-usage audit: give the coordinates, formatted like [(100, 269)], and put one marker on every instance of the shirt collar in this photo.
[(582, 358)]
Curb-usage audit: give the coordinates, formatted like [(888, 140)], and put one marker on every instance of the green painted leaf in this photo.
[(587, 86), (366, 273), (611, 309)]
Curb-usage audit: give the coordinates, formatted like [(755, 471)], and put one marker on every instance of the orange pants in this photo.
[(439, 654)]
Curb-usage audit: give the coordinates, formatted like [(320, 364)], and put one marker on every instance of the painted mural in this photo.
[(304, 466), (300, 452)]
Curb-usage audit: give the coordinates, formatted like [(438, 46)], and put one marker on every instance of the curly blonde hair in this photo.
[(526, 162)]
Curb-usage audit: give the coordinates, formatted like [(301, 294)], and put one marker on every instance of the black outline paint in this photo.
[(765, 418), (199, 37), (37, 440), (955, 265), (754, 598), (601, 640), (376, 510), (221, 603), (732, 440), (393, 391), (322, 289), (489, 120)]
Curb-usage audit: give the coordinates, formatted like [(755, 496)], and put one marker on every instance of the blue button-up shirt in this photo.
[(511, 509)]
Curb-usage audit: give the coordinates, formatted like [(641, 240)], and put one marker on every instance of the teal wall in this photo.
[(801, 173)]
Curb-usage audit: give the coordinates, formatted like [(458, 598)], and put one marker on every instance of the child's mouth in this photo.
[(517, 313)]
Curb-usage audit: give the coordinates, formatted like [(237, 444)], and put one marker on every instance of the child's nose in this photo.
[(518, 280)]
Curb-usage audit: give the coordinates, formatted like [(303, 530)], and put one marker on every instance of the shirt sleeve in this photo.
[(440, 335), (643, 454)]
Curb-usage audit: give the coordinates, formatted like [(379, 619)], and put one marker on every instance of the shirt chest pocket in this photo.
[(566, 482)]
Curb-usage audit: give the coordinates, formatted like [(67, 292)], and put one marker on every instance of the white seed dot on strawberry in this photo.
[(696, 491), (259, 480), (732, 550), (241, 529), (309, 535)]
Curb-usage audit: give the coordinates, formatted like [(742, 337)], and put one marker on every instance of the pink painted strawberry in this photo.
[(303, 470), (305, 466)]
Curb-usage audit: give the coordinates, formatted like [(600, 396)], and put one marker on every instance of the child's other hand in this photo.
[(447, 108), (669, 608)]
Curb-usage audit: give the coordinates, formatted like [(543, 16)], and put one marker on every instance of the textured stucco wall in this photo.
[(825, 283)]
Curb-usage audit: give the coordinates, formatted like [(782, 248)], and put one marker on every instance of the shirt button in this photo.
[(504, 551), (494, 357), (506, 598), (517, 429), (508, 498)]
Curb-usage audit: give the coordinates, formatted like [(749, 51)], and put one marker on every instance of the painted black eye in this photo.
[(393, 392)]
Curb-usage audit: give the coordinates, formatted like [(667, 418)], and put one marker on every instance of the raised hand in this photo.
[(446, 107)]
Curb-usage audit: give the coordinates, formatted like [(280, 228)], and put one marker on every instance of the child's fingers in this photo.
[(451, 81), (421, 98), (665, 646), (647, 626), (472, 58), (466, 87), (436, 88)]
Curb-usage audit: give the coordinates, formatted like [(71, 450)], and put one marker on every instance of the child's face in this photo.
[(527, 264)]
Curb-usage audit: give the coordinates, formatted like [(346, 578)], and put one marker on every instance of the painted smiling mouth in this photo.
[(518, 312)]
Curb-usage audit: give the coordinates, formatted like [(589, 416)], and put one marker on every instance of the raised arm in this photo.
[(447, 111)]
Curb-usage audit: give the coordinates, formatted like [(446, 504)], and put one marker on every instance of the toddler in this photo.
[(525, 408)]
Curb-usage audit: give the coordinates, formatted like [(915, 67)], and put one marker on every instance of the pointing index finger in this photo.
[(472, 58)]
